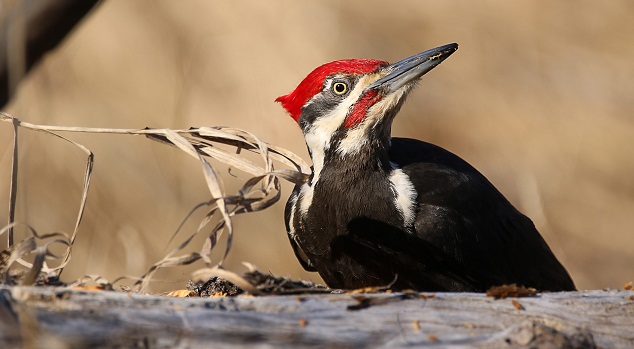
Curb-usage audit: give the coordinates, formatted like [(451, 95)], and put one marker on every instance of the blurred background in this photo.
[(539, 98)]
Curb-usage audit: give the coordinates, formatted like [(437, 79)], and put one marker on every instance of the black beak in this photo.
[(410, 69)]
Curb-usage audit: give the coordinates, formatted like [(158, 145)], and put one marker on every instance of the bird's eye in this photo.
[(339, 88)]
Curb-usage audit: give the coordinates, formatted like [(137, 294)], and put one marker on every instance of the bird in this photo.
[(378, 210)]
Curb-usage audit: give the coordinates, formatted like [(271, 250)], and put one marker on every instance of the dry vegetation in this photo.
[(259, 192), (538, 97)]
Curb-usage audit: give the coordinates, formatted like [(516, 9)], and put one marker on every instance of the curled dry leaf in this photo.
[(37, 246)]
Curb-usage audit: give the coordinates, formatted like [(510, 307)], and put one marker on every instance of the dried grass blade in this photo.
[(291, 159), (231, 160), (248, 141), (300, 167), (214, 184), (101, 282), (191, 212), (204, 136), (179, 247), (84, 197), (38, 262), (142, 284), (19, 250), (6, 117), (290, 176), (50, 235), (244, 204), (262, 146), (212, 238), (219, 135), (51, 255), (64, 241), (180, 142)]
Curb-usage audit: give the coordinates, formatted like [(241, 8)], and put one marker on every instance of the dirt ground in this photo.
[(538, 98)]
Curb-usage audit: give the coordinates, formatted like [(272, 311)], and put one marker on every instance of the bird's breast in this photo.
[(328, 207)]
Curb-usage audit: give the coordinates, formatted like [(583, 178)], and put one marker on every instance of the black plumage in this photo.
[(468, 236)]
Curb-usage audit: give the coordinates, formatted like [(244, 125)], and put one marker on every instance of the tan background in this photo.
[(538, 98)]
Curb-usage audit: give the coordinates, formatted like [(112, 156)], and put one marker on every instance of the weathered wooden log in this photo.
[(51, 317)]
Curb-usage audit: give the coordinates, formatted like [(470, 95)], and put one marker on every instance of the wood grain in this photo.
[(75, 319)]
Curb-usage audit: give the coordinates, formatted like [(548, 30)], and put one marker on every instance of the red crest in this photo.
[(313, 83)]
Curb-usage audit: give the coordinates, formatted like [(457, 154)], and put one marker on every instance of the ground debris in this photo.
[(266, 283), (15, 277), (512, 290), (366, 302), (214, 287)]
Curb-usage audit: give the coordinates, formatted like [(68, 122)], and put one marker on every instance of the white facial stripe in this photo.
[(305, 198), (320, 134), (354, 140), (357, 136), (384, 105), (405, 196), (291, 230)]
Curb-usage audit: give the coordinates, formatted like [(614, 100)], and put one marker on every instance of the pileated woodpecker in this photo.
[(379, 210)]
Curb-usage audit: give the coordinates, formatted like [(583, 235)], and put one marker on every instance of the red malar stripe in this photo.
[(360, 109)]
